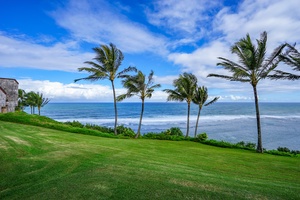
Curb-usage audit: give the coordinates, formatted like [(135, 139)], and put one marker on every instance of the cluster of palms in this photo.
[(252, 67), (31, 99), (109, 59)]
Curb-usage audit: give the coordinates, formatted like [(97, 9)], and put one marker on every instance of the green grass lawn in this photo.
[(40, 163)]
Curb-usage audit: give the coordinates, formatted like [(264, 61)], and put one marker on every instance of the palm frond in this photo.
[(212, 101), (283, 75), (174, 95), (272, 62)]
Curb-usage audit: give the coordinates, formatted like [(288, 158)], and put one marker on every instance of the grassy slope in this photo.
[(40, 163)]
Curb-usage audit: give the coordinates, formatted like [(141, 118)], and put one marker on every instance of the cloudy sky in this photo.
[(43, 43)]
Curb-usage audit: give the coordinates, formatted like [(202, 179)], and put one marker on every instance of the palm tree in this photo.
[(185, 87), (139, 86), (41, 101), (108, 60), (31, 100), (21, 100), (200, 99), (252, 67), (291, 58)]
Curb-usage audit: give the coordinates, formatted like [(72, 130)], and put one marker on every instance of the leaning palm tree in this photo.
[(41, 101), (200, 99), (185, 87), (139, 86), (252, 67), (292, 58), (108, 60)]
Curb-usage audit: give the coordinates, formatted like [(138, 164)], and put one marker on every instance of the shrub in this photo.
[(176, 131), (283, 149), (250, 145), (201, 137), (75, 124), (241, 143), (244, 145), (125, 131), (99, 128)]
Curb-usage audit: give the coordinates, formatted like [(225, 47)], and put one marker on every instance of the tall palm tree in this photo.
[(185, 87), (139, 86), (252, 67), (292, 58), (108, 60), (41, 101), (200, 99)]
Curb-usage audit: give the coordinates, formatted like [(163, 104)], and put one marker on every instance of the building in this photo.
[(8, 94)]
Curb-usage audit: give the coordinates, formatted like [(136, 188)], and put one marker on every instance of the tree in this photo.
[(185, 87), (252, 67), (139, 86), (31, 101), (41, 101), (21, 100), (291, 58), (200, 99), (108, 60)]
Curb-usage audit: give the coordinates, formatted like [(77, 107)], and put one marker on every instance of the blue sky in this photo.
[(43, 43)]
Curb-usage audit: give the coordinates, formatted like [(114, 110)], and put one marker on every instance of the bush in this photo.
[(250, 145), (283, 149), (125, 131), (244, 145), (75, 124), (176, 131), (100, 128), (201, 137)]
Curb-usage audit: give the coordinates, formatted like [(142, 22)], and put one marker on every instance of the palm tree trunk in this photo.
[(39, 108), (115, 105), (197, 122), (141, 117), (259, 138), (188, 120)]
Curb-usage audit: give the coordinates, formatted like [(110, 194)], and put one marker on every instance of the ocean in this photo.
[(232, 122)]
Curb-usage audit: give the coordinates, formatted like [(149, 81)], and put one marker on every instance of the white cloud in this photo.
[(98, 22), (279, 18), (181, 16), (15, 52), (73, 92)]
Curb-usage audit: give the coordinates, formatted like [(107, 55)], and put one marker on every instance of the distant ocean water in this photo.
[(232, 122)]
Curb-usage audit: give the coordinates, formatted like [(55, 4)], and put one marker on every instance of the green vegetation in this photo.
[(139, 86), (31, 99), (292, 58), (185, 89), (40, 163), (199, 99), (109, 59), (252, 67)]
